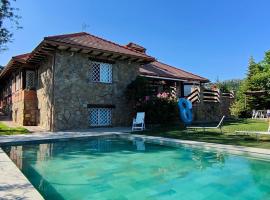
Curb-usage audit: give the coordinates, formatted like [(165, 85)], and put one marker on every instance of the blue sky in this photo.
[(211, 38)]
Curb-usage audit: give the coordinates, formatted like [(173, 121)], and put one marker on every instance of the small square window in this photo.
[(100, 116), (101, 72)]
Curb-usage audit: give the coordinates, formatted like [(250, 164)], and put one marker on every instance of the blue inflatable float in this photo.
[(185, 108)]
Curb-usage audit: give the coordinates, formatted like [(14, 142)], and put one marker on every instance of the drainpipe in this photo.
[(52, 96)]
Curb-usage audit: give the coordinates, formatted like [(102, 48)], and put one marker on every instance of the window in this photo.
[(187, 90), (17, 82), (101, 72), (30, 79), (100, 116)]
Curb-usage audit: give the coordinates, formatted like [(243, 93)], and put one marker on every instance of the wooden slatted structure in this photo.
[(208, 96)]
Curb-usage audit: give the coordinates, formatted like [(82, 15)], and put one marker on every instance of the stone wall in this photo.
[(24, 107), (44, 92), (30, 108), (207, 112), (17, 105), (73, 91)]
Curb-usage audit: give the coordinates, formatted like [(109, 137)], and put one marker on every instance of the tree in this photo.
[(253, 68), (8, 21), (258, 79)]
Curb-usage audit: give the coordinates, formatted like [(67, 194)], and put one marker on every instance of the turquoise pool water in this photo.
[(112, 168)]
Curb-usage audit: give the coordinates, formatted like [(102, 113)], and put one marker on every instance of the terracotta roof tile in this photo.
[(22, 57), (159, 69), (91, 41)]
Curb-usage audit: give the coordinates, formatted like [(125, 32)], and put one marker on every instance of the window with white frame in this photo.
[(100, 72), (100, 116), (30, 79)]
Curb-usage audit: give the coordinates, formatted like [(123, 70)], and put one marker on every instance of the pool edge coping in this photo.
[(18, 184), (235, 149), (33, 193)]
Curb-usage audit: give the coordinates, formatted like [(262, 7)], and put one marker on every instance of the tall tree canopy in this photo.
[(258, 79), (8, 22)]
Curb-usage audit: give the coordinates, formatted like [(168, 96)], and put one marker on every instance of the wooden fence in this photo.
[(208, 96)]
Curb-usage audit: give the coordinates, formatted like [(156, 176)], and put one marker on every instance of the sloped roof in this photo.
[(91, 41), (86, 42), (161, 70), (22, 57)]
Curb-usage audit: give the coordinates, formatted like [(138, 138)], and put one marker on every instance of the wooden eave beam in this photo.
[(110, 55), (73, 49), (95, 53), (47, 49), (135, 60), (86, 51), (116, 57), (100, 54), (63, 47), (56, 43), (125, 58)]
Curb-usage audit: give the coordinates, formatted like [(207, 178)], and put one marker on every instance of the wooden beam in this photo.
[(90, 52), (95, 53), (36, 58), (39, 54), (79, 51), (63, 47), (51, 44), (125, 58), (135, 60), (91, 48), (85, 51), (116, 57), (100, 54), (47, 49), (43, 52), (73, 49)]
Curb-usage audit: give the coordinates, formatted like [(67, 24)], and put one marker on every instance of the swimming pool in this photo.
[(115, 168)]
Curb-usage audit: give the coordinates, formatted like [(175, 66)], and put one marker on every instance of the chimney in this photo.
[(136, 47)]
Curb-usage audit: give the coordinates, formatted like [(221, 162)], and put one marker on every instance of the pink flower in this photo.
[(147, 98)]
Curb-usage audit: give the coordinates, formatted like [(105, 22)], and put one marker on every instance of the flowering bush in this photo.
[(159, 108)]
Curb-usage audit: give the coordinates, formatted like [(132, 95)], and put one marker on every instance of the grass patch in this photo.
[(214, 136), (5, 130)]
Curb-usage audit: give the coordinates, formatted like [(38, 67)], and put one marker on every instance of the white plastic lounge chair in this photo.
[(254, 132), (138, 122), (219, 126), (254, 114)]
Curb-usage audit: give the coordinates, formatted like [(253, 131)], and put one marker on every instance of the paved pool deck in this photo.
[(14, 185)]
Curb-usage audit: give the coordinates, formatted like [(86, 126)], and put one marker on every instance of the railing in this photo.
[(208, 96), (194, 96), (212, 96), (228, 95)]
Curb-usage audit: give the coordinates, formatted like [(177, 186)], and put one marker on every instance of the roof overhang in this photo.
[(47, 48), (163, 78)]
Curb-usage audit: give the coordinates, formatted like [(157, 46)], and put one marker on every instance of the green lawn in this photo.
[(214, 136), (5, 130)]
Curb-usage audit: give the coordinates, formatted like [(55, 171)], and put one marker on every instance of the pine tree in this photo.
[(253, 68)]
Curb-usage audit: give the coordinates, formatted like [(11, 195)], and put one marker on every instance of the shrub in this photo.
[(159, 108)]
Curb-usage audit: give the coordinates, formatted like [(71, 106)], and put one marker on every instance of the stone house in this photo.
[(77, 81)]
